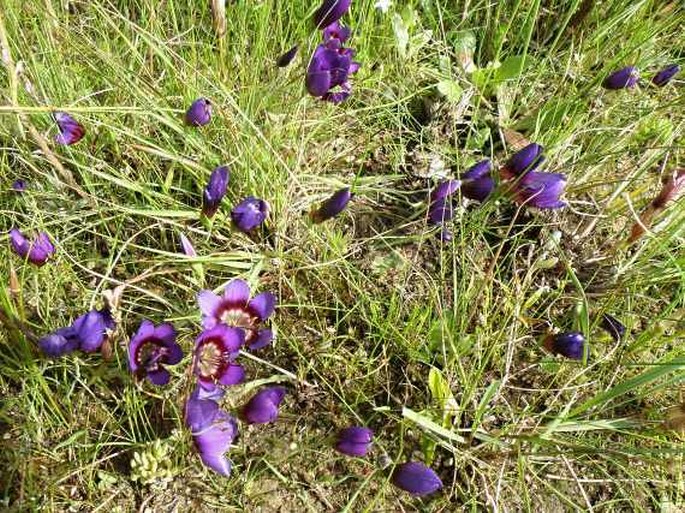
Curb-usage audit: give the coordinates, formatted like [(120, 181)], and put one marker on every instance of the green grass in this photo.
[(437, 348)]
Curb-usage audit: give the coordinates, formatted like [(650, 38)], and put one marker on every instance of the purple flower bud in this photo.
[(332, 206), (213, 429), (249, 213), (38, 251), (664, 76), (541, 190), (477, 184), (526, 159), (287, 57), (416, 478), (19, 185), (569, 344), (151, 348), (613, 326), (187, 246), (61, 342), (445, 189), (199, 113), (626, 77), (215, 191), (70, 130), (330, 11), (354, 441), (263, 407), (92, 329)]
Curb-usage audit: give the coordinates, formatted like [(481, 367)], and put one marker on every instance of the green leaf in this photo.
[(512, 67), (450, 90)]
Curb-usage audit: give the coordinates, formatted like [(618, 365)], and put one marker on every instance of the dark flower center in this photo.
[(150, 354)]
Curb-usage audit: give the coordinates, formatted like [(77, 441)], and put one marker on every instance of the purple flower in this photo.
[(263, 407), (152, 347), (541, 190), (445, 189), (92, 329), (330, 11), (61, 342), (477, 184), (416, 478), (664, 76), (626, 77), (199, 113), (354, 441), (249, 213), (330, 68), (70, 130), (236, 309), (38, 251), (187, 246), (88, 332), (215, 191), (287, 57), (215, 352), (332, 206), (336, 33), (212, 428), (526, 159), (19, 185), (613, 326), (570, 344)]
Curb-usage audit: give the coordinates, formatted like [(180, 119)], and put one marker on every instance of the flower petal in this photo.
[(199, 113), (330, 11), (264, 338), (91, 331), (234, 374), (237, 292), (59, 343), (165, 333), (263, 305), (209, 303), (160, 377), (213, 442), (70, 130), (263, 407)]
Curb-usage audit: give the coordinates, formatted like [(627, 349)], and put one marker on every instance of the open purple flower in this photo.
[(215, 352), (330, 11), (212, 428), (59, 343), (416, 478), (70, 130), (38, 251), (263, 407), (249, 213), (287, 57), (613, 326), (151, 348), (234, 308), (625, 77), (215, 191), (570, 344), (92, 329), (440, 211), (664, 76), (354, 441), (476, 182), (526, 159), (332, 206), (199, 113)]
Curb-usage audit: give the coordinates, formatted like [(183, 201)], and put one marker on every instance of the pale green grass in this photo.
[(435, 348)]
